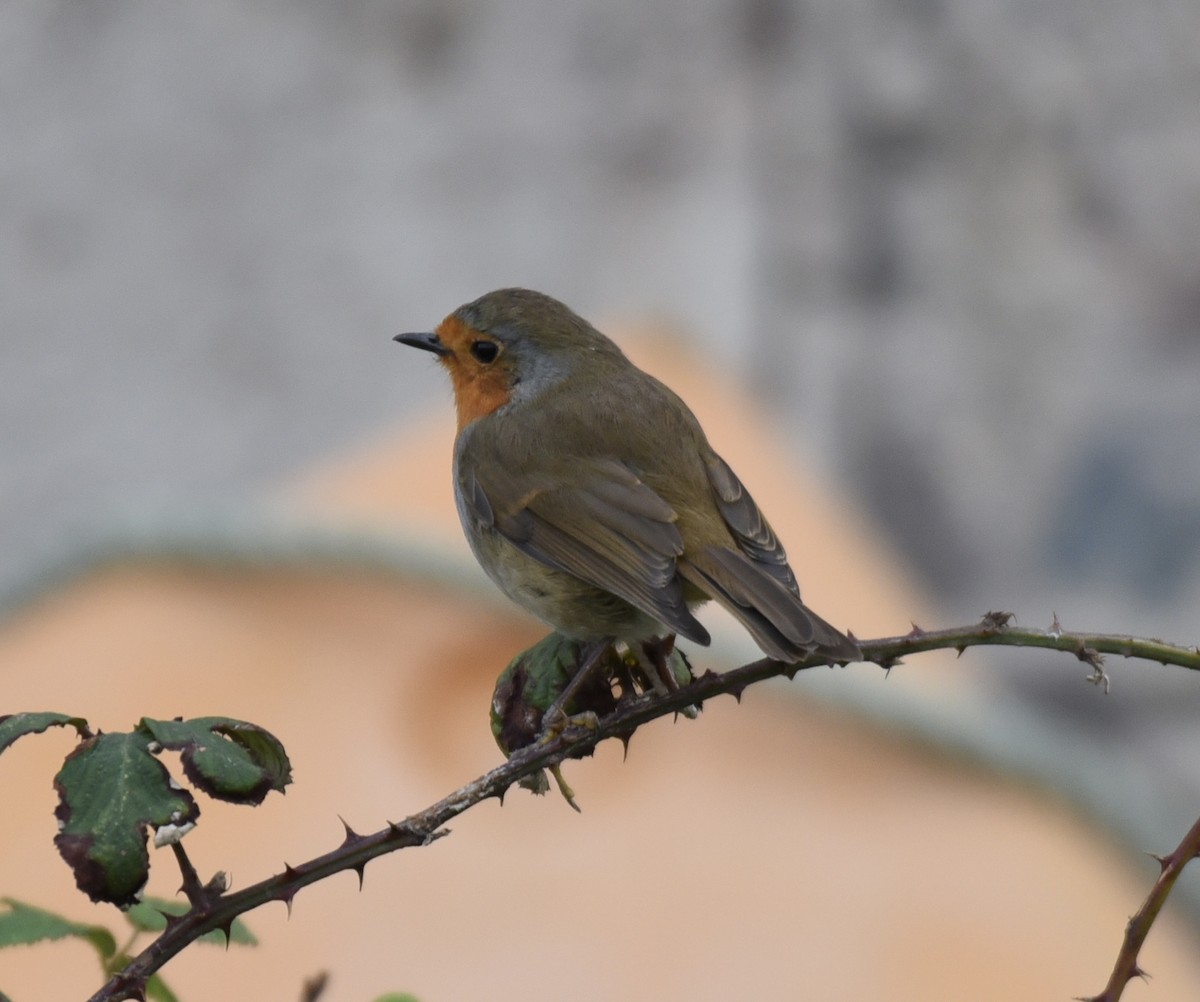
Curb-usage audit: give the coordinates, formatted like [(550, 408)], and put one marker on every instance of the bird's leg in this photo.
[(556, 718), (654, 656), (626, 683)]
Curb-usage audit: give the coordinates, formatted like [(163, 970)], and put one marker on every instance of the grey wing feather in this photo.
[(477, 501), (745, 520), (610, 530), (755, 582)]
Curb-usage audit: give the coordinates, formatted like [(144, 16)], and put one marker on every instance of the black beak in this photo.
[(427, 342)]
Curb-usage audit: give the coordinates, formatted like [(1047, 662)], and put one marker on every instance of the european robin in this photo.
[(589, 493)]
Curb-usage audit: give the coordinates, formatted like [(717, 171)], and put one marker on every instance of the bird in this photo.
[(590, 495)]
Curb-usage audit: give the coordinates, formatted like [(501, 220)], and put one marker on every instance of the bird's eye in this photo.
[(484, 352)]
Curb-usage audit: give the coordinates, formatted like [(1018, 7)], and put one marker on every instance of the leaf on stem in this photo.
[(110, 790), (23, 925), (17, 725), (228, 759)]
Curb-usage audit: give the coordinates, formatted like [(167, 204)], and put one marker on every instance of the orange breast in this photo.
[(478, 389)]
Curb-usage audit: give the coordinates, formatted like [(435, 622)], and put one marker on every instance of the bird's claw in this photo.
[(564, 788)]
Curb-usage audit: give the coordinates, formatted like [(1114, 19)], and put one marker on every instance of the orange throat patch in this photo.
[(478, 389)]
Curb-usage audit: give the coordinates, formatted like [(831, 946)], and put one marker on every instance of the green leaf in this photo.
[(149, 915), (227, 759), (109, 790), (22, 924), (393, 997), (17, 725), (534, 679), (157, 990)]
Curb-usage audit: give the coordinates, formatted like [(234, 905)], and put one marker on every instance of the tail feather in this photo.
[(783, 626)]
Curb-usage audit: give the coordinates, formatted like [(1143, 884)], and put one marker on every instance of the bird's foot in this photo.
[(557, 723)]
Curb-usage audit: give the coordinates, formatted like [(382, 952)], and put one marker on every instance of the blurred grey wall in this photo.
[(957, 245)]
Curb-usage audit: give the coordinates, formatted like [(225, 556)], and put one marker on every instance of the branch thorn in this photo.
[(352, 836)]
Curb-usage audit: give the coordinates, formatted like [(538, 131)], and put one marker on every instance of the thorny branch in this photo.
[(1126, 968), (220, 909)]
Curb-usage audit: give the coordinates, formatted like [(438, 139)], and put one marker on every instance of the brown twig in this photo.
[(192, 888), (314, 987), (1126, 968), (424, 827)]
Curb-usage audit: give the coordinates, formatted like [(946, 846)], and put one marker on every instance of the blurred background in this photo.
[(954, 248)]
